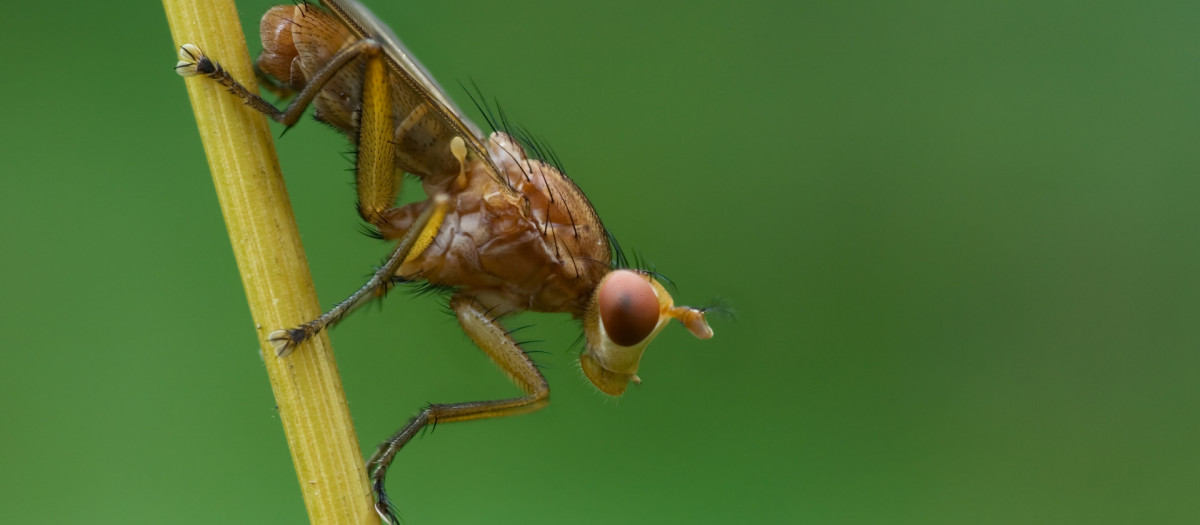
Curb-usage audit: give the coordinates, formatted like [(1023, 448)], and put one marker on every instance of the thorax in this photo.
[(528, 241)]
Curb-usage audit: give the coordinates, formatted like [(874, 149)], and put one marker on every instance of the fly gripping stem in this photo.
[(415, 241)]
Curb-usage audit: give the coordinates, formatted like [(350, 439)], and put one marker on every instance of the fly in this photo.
[(506, 232)]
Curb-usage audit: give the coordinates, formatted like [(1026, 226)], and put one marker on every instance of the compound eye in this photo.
[(628, 307)]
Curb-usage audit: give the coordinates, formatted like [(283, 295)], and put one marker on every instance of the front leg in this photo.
[(493, 340)]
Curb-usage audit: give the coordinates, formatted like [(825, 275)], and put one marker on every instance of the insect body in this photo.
[(504, 231)]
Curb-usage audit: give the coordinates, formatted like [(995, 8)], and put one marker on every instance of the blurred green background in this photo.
[(960, 240)]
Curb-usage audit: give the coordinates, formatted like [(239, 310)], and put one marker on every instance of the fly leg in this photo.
[(194, 62), (377, 186), (418, 237), (493, 340), (376, 176)]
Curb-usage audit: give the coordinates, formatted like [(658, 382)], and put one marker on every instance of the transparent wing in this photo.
[(426, 118)]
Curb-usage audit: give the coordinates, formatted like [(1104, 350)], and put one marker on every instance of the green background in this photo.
[(960, 240)]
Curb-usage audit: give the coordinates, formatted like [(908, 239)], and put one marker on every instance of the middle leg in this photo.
[(418, 237), (377, 188)]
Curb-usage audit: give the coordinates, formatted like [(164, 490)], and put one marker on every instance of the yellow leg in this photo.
[(497, 344), (425, 238), (376, 178), (424, 227)]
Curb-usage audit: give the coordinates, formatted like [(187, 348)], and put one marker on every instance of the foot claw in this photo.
[(384, 513), (193, 61), (383, 506), (284, 341)]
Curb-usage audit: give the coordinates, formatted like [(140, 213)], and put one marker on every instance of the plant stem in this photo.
[(275, 274)]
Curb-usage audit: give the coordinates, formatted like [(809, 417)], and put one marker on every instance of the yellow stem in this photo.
[(270, 258)]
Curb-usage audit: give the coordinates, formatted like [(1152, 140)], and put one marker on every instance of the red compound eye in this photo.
[(628, 307)]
